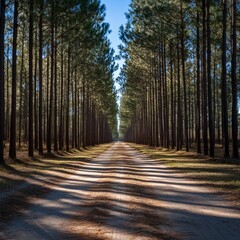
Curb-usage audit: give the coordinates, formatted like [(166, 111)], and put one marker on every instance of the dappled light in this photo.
[(216, 173), (123, 194)]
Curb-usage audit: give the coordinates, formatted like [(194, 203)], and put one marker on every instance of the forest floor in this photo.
[(120, 194)]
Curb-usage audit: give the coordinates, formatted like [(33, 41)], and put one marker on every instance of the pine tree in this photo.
[(12, 150), (2, 77)]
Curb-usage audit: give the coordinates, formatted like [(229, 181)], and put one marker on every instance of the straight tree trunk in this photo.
[(7, 108), (234, 81), (83, 114), (35, 96), (49, 132), (75, 111), (30, 106), (166, 104), (179, 112), (47, 92), (21, 94), (224, 82), (160, 104), (68, 103), (204, 81), (172, 104), (55, 97), (2, 102), (210, 112), (72, 107), (184, 82), (61, 104), (25, 110), (156, 106), (40, 77), (12, 149), (198, 114)]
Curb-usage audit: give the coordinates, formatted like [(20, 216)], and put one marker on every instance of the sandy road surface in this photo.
[(124, 195)]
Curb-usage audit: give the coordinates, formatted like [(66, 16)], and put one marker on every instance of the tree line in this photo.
[(180, 83), (56, 76)]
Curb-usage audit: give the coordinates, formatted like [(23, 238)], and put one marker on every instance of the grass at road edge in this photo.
[(215, 173), (24, 169)]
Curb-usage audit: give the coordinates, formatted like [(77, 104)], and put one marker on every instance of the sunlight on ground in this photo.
[(210, 172), (121, 194), (26, 170)]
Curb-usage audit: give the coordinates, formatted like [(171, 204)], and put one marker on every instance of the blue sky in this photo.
[(115, 16)]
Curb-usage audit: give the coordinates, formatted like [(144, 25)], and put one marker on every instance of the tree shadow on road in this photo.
[(122, 194)]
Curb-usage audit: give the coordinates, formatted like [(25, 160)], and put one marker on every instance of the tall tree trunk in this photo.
[(12, 149), (160, 103), (83, 113), (75, 110), (79, 118), (35, 96), (68, 102), (204, 81), (21, 93), (234, 81), (30, 106), (184, 81), (47, 97), (198, 114), (2, 102), (172, 103), (165, 97), (210, 112), (40, 77), (7, 107), (25, 110), (224, 82), (49, 132), (179, 111), (55, 97), (156, 106), (61, 104)]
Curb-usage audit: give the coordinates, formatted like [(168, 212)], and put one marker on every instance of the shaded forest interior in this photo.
[(179, 83)]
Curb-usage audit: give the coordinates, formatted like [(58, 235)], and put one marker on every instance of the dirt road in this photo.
[(124, 195)]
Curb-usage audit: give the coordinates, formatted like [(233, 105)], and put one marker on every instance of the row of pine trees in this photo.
[(56, 76), (181, 79)]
